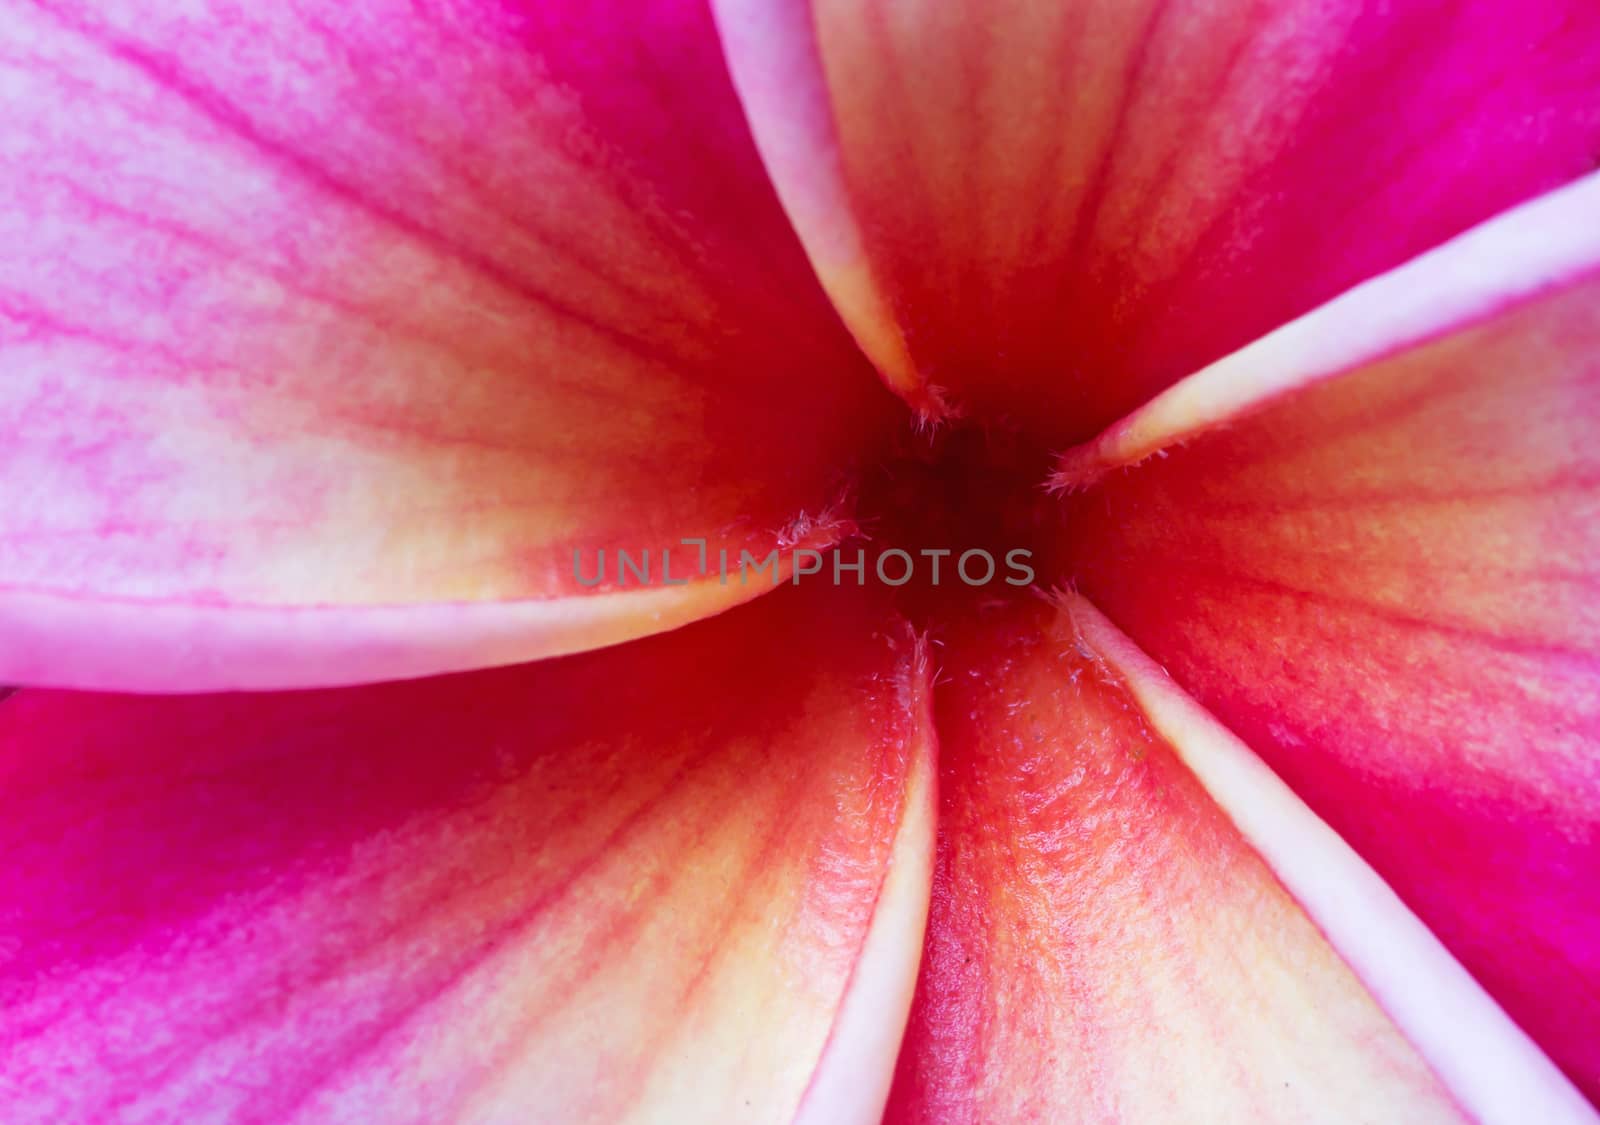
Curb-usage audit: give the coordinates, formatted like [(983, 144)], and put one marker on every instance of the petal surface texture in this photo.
[(1048, 211), (388, 306), (683, 879), (1105, 942), (1370, 544)]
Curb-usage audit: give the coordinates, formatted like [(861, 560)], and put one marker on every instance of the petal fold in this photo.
[(682, 879), (1371, 546), (327, 307), (1047, 212)]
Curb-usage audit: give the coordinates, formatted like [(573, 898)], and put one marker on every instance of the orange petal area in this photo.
[(684, 879), (1045, 212), (1104, 942), (393, 306), (1381, 571)]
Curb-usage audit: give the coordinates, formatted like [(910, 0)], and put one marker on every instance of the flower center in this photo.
[(953, 514)]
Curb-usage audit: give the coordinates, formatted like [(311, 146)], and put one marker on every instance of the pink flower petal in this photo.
[(1490, 1066), (648, 883), (332, 306), (1048, 212), (1109, 941), (1371, 546)]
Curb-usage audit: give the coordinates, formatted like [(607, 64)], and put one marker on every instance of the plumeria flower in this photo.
[(388, 384)]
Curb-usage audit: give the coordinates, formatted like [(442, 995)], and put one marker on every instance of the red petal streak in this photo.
[(1104, 944), (681, 879), (1387, 582), (388, 304), (1054, 210)]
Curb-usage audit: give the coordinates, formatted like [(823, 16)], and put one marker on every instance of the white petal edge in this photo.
[(851, 1083), (1496, 1072), (1541, 246), (185, 647)]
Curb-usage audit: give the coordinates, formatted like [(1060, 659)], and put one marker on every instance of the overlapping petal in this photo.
[(1048, 211), (683, 879), (1108, 943), (1371, 545), (315, 306)]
